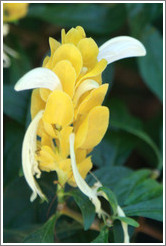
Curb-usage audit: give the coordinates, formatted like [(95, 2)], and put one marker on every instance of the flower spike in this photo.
[(121, 47), (39, 78), (73, 120), (29, 163)]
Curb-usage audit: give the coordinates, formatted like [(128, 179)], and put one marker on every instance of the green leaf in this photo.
[(15, 103), (133, 190), (145, 190), (101, 154), (17, 235), (129, 183), (18, 194), (151, 66), (87, 208), (156, 122), (141, 18), (139, 195), (117, 232), (45, 234), (76, 235), (109, 176), (72, 232), (103, 236), (128, 221), (121, 119), (152, 209), (141, 15), (111, 198), (13, 236), (114, 149), (65, 229), (46, 209), (14, 133), (99, 18)]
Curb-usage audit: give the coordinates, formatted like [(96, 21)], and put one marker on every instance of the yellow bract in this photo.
[(67, 75), (50, 130), (14, 11), (96, 71), (46, 139), (89, 51), (71, 53), (59, 109), (93, 128), (73, 36), (77, 108), (47, 159), (54, 45), (64, 141), (37, 103), (44, 93), (94, 98)]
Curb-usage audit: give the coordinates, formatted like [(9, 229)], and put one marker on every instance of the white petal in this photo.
[(121, 47), (82, 185), (87, 85), (124, 225), (10, 51), (39, 78), (5, 29), (29, 163), (6, 60)]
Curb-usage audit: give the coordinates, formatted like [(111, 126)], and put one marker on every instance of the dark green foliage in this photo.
[(87, 208), (18, 209), (111, 198), (102, 237), (45, 234), (152, 71), (121, 119), (128, 221), (136, 192), (99, 18), (151, 67), (15, 103)]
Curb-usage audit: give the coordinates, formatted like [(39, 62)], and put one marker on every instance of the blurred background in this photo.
[(135, 136)]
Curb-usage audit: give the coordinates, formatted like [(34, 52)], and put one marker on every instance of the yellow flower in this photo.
[(14, 11), (66, 107)]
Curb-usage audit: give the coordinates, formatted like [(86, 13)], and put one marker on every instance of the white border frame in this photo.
[(141, 1)]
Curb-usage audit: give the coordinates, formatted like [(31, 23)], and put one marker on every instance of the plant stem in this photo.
[(64, 210), (72, 214), (60, 194)]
